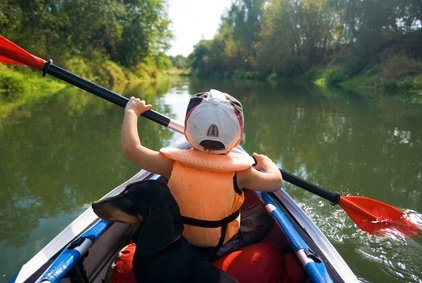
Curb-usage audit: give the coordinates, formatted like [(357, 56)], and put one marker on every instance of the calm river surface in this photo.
[(61, 153)]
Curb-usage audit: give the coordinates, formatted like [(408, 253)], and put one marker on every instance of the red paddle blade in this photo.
[(376, 217), (11, 53)]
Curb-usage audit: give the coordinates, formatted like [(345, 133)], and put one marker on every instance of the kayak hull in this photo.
[(88, 246)]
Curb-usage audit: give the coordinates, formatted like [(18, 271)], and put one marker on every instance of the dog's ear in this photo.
[(161, 227)]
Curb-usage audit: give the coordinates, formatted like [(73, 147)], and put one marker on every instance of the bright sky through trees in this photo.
[(193, 20)]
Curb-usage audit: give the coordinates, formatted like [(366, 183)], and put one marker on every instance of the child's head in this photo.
[(214, 122)]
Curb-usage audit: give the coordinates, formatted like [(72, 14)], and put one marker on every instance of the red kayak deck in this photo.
[(270, 260)]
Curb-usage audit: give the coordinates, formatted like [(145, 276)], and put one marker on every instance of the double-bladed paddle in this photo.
[(370, 215)]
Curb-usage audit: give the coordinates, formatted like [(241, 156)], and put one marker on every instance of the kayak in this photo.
[(295, 251)]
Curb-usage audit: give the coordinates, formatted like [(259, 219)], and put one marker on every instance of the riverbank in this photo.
[(396, 75), (20, 85)]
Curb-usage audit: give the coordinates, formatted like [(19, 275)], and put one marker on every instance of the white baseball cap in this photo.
[(214, 122)]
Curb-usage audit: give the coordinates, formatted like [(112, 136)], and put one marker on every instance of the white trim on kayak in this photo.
[(303, 257)]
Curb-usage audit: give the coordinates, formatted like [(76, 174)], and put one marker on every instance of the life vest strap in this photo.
[(211, 223)]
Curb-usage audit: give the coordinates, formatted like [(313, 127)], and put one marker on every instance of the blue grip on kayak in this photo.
[(72, 253), (316, 270)]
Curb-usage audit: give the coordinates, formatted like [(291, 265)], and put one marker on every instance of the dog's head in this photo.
[(149, 206)]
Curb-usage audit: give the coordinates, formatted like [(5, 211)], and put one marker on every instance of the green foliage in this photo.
[(336, 74), (79, 66), (400, 66), (114, 73), (145, 34), (11, 87), (287, 38), (400, 74), (179, 62), (231, 52), (126, 31), (17, 88)]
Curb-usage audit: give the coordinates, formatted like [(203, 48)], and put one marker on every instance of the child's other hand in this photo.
[(138, 106), (262, 161)]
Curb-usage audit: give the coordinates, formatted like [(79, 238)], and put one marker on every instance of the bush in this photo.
[(105, 73), (408, 85), (336, 75), (79, 67), (400, 74), (113, 73), (400, 66), (11, 88)]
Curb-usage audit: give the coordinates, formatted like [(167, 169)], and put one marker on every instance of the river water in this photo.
[(60, 153)]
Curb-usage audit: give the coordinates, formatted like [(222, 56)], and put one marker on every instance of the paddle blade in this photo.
[(11, 53), (376, 217)]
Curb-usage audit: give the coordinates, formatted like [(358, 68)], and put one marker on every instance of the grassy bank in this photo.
[(20, 85), (397, 74)]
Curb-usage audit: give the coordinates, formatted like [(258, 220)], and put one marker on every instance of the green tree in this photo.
[(296, 35), (370, 24), (233, 50), (279, 42), (243, 24), (33, 24), (127, 31), (10, 17), (94, 27), (179, 62), (145, 31), (207, 59)]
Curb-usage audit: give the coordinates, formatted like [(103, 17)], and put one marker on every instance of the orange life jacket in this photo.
[(204, 186)]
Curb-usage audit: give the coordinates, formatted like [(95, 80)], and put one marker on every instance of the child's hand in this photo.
[(138, 106), (262, 162), (265, 176)]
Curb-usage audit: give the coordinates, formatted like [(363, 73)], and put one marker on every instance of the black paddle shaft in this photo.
[(332, 197), (100, 91)]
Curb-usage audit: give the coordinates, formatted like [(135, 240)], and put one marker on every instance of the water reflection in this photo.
[(57, 156), (347, 143), (62, 152)]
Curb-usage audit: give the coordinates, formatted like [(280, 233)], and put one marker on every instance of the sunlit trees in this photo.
[(287, 38), (233, 51), (126, 31)]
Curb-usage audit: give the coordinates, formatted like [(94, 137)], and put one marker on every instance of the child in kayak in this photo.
[(207, 180)]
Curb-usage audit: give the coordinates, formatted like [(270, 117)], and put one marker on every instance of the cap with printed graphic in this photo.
[(214, 122)]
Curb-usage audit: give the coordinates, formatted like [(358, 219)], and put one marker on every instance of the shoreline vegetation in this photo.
[(21, 85), (399, 75)]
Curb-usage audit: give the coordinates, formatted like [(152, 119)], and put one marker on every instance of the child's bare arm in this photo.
[(264, 177), (131, 146)]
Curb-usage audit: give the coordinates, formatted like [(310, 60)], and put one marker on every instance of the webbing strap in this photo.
[(211, 223)]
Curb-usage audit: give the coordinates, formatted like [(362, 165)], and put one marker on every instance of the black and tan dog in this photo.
[(162, 254)]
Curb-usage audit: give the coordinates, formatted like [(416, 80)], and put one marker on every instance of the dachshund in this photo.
[(162, 253)]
